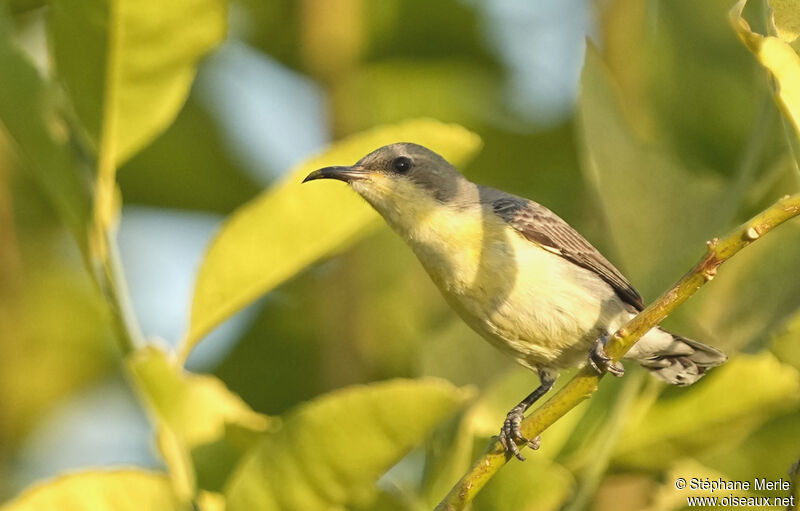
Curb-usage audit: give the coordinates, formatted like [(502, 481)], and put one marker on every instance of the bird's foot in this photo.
[(511, 433), (601, 362)]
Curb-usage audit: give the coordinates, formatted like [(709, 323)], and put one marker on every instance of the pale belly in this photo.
[(534, 305)]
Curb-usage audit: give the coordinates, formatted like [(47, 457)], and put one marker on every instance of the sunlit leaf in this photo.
[(658, 213), (331, 450), (729, 403), (786, 18), (29, 115), (777, 56), (210, 501), (195, 406), (118, 490), (127, 67), (290, 226), (190, 411)]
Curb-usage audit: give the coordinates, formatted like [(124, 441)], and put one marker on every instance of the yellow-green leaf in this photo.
[(778, 57), (786, 18), (290, 226), (330, 451), (696, 419), (196, 406), (118, 490), (190, 410), (127, 65)]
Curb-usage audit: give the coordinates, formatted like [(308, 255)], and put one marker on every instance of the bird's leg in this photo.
[(600, 361), (510, 433)]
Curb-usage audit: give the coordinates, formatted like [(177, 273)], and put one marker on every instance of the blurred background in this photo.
[(670, 136)]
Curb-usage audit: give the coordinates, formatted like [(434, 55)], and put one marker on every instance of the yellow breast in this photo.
[(530, 302)]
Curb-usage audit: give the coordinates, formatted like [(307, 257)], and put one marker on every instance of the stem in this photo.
[(794, 474), (110, 279), (584, 383), (104, 254)]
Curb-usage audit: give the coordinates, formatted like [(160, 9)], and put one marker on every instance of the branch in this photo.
[(584, 384)]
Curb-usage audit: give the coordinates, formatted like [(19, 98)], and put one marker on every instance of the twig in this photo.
[(109, 277), (584, 383), (794, 474)]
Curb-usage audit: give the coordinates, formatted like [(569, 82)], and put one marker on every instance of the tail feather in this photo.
[(675, 359)]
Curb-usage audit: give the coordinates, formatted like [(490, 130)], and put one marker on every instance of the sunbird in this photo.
[(515, 272)]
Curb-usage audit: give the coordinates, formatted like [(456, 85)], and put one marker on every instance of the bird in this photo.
[(515, 272)]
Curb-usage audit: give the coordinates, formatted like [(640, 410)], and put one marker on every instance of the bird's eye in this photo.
[(401, 164)]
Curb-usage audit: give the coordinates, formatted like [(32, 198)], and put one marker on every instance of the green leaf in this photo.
[(656, 219), (777, 56), (197, 407), (290, 226), (118, 490), (189, 410), (699, 417), (127, 65), (331, 450), (536, 485), (786, 341), (786, 18), (28, 113)]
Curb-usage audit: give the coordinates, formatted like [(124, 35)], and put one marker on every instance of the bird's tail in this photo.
[(675, 359)]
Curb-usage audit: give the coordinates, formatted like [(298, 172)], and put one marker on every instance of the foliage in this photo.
[(336, 396)]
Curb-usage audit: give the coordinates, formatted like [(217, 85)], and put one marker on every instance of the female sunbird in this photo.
[(515, 272)]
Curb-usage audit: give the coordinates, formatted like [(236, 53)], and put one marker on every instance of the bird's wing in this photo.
[(543, 227)]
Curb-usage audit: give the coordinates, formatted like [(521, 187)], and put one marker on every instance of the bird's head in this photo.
[(401, 181)]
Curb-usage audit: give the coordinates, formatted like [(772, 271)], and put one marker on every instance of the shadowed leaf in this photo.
[(28, 113), (700, 416), (656, 220)]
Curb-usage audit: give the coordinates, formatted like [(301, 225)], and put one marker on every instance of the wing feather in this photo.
[(543, 227)]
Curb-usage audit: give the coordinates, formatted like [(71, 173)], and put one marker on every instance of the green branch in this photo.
[(585, 382), (106, 272)]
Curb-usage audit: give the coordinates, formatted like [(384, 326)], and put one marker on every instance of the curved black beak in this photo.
[(346, 174)]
